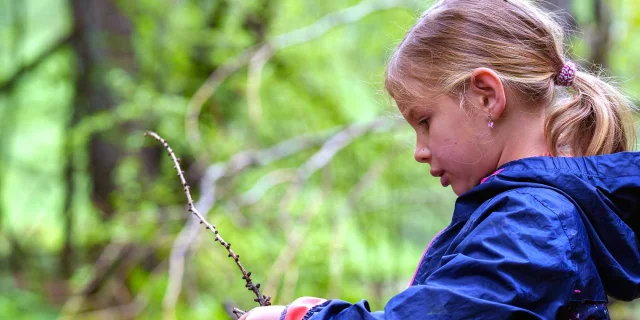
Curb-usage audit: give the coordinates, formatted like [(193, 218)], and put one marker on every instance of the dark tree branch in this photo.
[(78, 40), (106, 265), (600, 35), (31, 65)]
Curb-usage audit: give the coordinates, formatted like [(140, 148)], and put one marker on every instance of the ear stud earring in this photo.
[(490, 125)]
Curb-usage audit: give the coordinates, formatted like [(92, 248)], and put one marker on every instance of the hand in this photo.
[(264, 313)]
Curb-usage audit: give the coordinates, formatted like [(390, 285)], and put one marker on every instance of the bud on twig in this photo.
[(261, 299)]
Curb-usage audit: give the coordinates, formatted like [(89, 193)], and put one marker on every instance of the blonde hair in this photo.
[(524, 45)]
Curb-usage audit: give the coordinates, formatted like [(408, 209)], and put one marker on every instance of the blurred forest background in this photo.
[(277, 110)]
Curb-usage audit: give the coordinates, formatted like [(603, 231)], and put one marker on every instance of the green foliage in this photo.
[(355, 229)]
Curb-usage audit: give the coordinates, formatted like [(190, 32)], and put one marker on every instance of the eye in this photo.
[(424, 121)]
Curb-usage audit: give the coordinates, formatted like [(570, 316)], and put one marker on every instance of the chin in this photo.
[(458, 189), (455, 190)]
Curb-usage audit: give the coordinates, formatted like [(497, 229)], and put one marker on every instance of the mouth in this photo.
[(440, 173), (436, 173), (443, 179)]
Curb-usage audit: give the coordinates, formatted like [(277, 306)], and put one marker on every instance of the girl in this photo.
[(543, 227)]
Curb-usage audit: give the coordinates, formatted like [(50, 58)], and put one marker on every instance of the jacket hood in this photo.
[(606, 191)]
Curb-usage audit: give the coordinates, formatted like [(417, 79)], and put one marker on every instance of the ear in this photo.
[(487, 92)]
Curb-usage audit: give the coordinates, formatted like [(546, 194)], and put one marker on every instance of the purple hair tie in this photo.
[(566, 75)]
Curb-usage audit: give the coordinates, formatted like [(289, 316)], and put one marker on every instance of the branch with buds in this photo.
[(261, 299)]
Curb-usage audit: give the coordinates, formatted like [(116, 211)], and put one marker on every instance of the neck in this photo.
[(525, 137)]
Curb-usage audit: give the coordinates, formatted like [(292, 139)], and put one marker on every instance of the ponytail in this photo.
[(595, 118)]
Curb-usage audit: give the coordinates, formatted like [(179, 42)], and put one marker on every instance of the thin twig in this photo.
[(239, 313), (236, 164), (188, 234), (208, 196), (261, 299)]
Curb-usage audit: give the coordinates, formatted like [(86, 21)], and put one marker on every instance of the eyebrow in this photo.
[(410, 114)]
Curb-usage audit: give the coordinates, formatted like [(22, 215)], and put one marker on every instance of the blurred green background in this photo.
[(277, 110)]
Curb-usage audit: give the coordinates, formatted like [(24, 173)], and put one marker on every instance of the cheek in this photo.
[(458, 145)]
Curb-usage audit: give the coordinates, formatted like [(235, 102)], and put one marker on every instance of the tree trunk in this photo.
[(97, 23), (94, 21), (597, 32), (600, 36)]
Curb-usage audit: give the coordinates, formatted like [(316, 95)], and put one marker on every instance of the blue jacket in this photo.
[(545, 238)]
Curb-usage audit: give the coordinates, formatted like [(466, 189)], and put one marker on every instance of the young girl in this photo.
[(543, 227)]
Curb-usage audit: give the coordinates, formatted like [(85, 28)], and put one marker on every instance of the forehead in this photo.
[(428, 102)]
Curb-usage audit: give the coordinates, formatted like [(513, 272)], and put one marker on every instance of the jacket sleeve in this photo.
[(514, 261)]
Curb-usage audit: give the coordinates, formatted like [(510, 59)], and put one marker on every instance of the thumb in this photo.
[(264, 313)]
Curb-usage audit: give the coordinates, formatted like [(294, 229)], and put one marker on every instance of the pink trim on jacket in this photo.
[(493, 174), (423, 254), (434, 238)]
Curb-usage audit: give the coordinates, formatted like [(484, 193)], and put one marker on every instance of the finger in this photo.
[(264, 313)]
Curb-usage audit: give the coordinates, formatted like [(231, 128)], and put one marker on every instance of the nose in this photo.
[(422, 154)]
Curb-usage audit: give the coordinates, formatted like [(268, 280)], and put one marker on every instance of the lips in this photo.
[(444, 181), (440, 173), (436, 173)]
